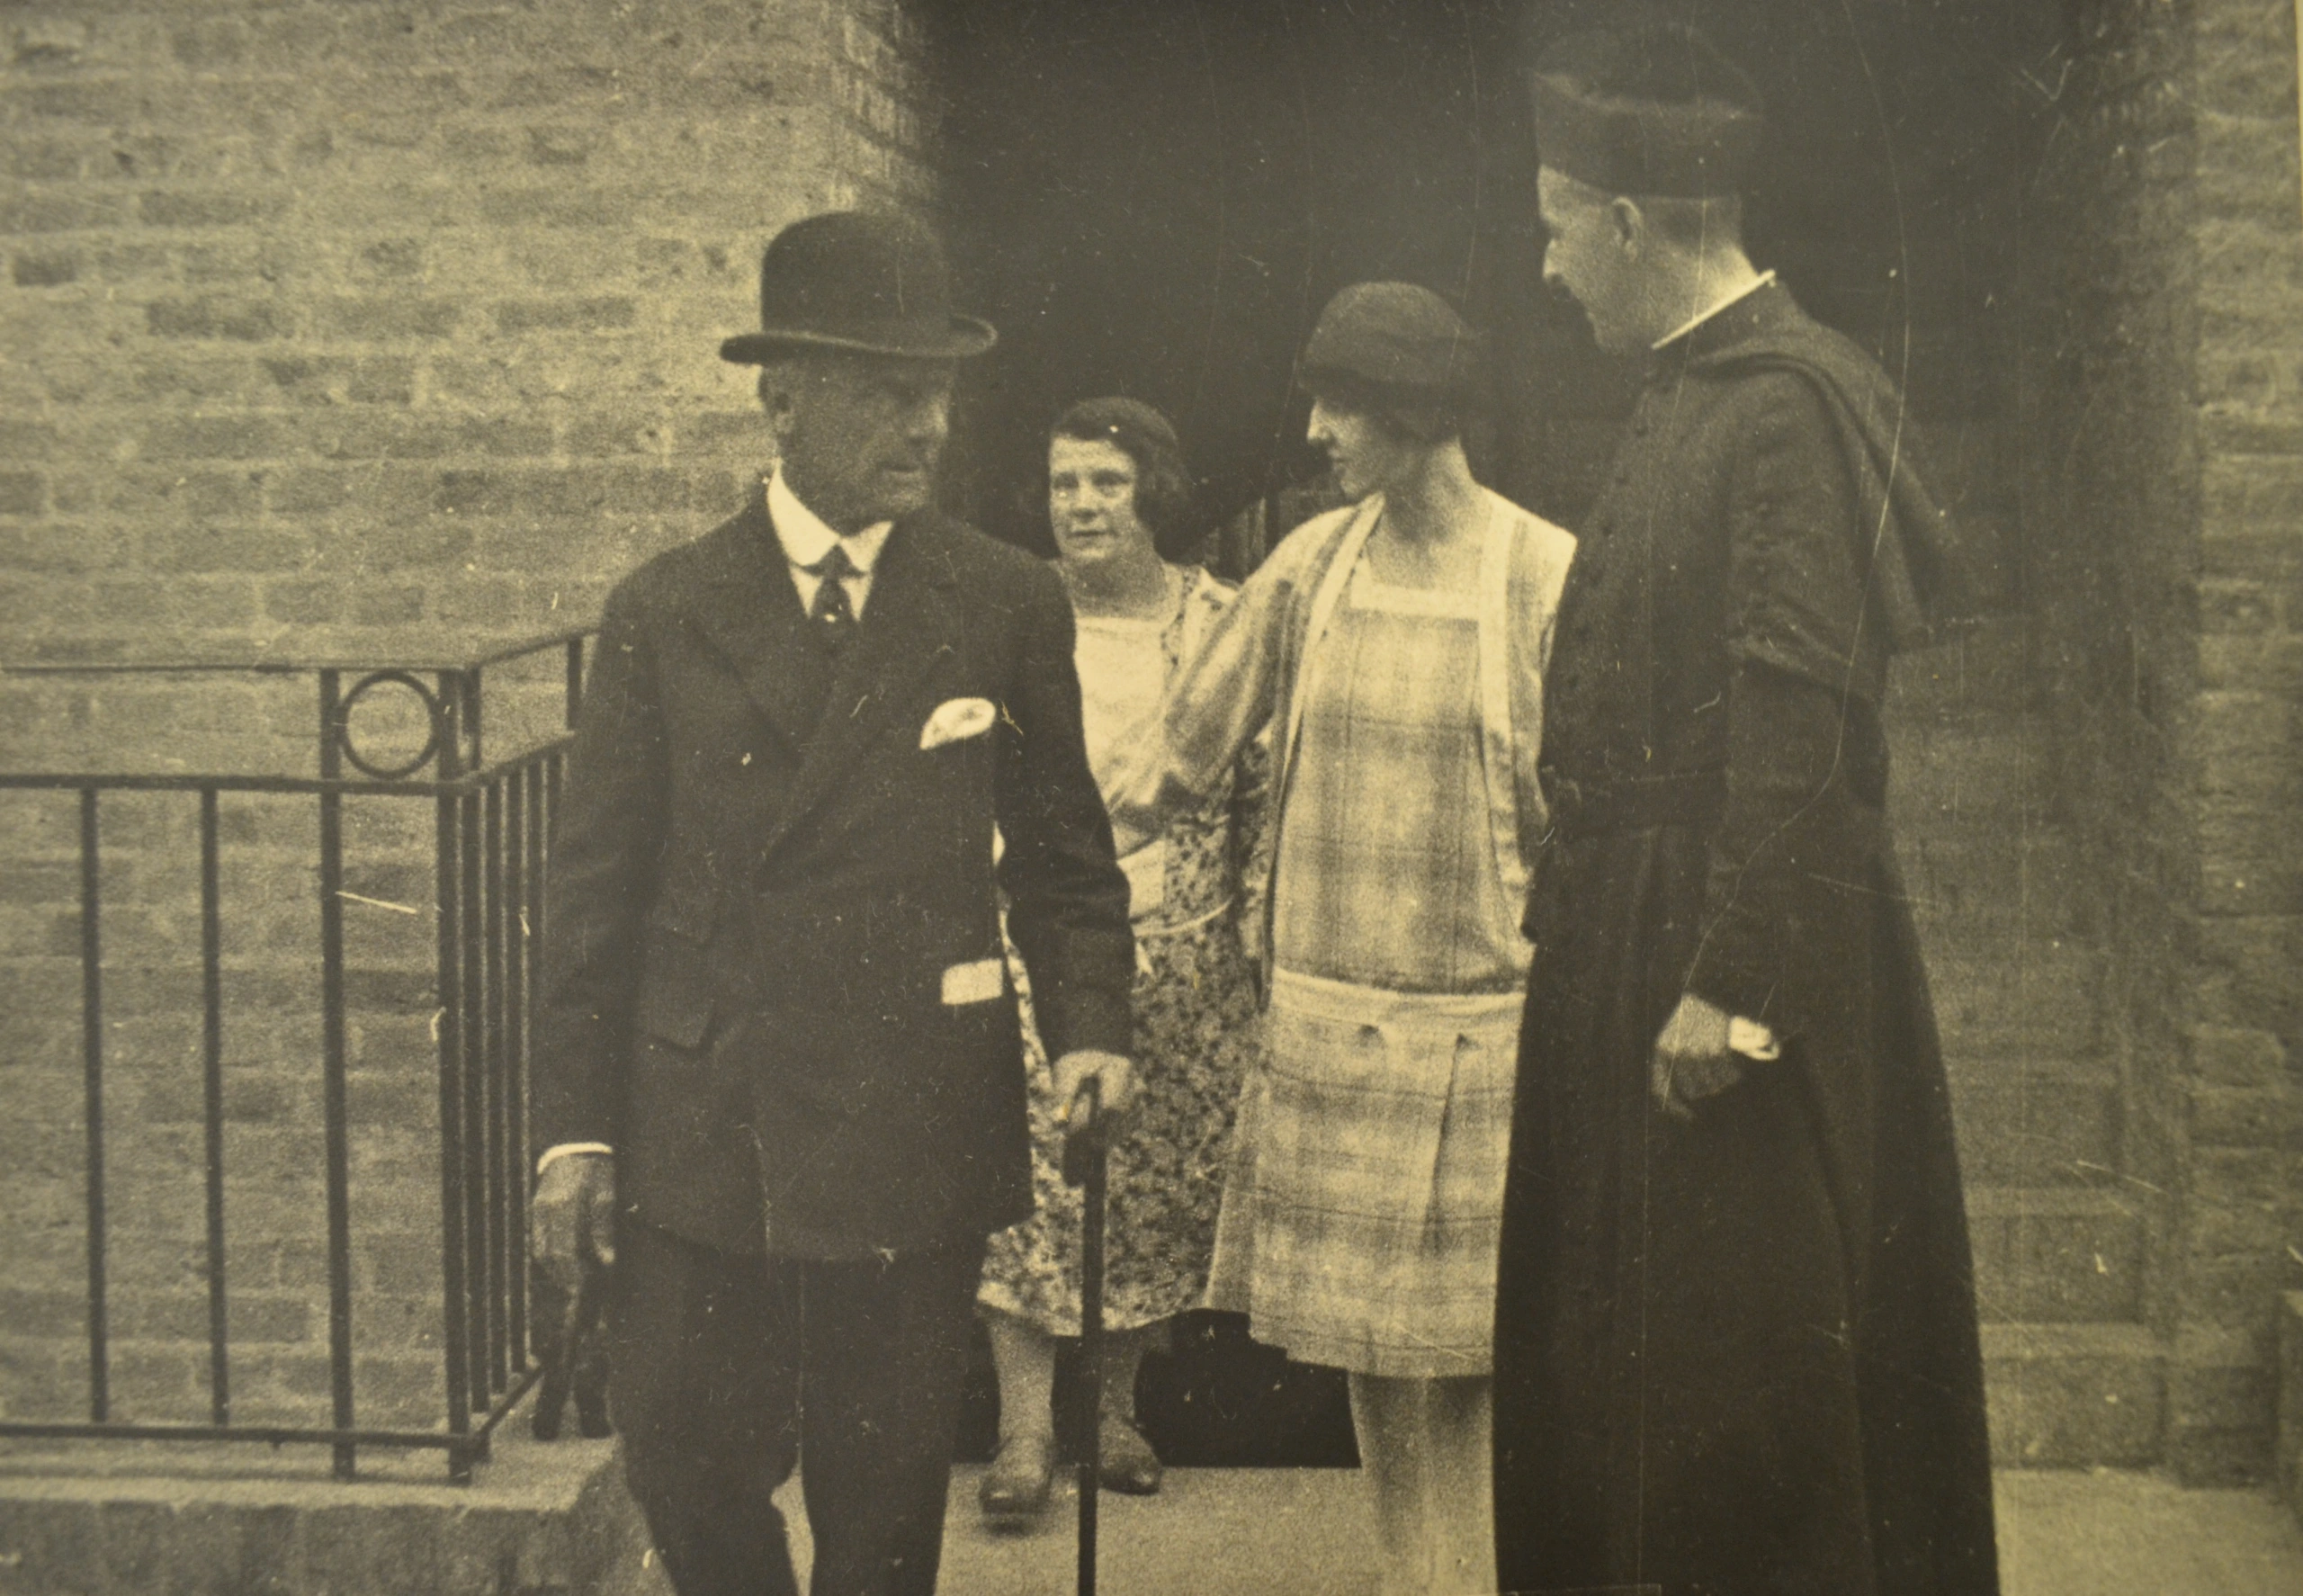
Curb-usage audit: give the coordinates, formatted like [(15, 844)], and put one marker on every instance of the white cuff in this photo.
[(565, 1148), (1744, 1036)]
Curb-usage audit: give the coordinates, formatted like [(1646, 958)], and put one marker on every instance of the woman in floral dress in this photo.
[(1116, 487)]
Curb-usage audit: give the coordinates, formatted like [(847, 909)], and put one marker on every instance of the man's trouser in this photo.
[(726, 1365)]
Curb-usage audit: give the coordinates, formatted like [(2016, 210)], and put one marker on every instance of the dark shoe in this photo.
[(1125, 1461), (1016, 1487)]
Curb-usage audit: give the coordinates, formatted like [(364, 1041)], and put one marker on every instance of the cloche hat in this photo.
[(1393, 335)]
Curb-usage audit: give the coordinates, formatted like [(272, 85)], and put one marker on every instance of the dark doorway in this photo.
[(1155, 197)]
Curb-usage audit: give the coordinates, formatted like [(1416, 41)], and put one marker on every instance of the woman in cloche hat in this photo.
[(1396, 648)]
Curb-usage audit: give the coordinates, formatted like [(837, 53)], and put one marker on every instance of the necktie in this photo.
[(831, 617)]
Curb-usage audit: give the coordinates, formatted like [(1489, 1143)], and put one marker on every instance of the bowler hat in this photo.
[(870, 281), (1392, 335)]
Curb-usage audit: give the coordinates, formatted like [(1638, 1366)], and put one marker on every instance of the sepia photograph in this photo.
[(1172, 797)]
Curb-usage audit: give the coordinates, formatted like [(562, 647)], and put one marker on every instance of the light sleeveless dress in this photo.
[(1359, 1223)]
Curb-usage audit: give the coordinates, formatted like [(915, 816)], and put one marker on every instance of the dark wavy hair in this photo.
[(1427, 415), (1163, 486)]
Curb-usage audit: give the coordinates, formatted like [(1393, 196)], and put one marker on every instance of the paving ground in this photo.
[(1301, 1532), (2113, 1533), (404, 1531)]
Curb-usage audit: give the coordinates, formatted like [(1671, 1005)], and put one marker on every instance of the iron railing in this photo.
[(491, 850)]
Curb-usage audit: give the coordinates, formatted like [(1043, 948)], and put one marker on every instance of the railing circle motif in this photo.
[(435, 716)]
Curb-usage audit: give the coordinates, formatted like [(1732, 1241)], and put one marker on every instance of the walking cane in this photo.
[(1085, 1165)]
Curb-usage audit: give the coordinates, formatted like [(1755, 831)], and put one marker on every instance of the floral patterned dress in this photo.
[(1196, 886)]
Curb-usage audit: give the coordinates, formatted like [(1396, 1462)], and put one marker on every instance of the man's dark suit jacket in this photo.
[(759, 879)]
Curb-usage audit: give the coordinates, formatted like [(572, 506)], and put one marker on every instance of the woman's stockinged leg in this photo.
[(1124, 1353), (1015, 1489), (1022, 1357), (1464, 1479), (1126, 1461), (1423, 1450)]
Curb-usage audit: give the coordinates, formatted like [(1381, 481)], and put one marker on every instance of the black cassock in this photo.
[(1740, 1353)]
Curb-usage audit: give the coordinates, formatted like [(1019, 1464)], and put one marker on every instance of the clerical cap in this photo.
[(1653, 110)]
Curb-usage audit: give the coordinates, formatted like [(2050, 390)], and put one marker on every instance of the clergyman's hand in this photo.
[(571, 1222), (1115, 1078), (1692, 1061)]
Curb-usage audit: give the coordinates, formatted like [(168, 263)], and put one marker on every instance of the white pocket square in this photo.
[(956, 719)]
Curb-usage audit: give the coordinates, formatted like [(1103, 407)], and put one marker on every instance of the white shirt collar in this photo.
[(806, 539), (1697, 319)]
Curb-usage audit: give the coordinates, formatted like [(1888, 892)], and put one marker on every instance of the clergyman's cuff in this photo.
[(565, 1148)]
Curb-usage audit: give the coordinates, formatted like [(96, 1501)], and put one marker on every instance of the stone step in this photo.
[(1980, 668), (2288, 1445), (2035, 1122), (2039, 1000), (2055, 1255), (1989, 769), (112, 1519), (2075, 1395), (1986, 886)]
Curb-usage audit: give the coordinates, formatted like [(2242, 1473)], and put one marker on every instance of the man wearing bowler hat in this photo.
[(778, 1076), (1735, 1342)]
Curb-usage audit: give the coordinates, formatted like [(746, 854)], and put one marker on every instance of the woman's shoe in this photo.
[(1125, 1461), (1016, 1487)]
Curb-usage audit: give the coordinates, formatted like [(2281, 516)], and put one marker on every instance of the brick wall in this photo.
[(334, 323), (2164, 496), (356, 329), (2244, 1077)]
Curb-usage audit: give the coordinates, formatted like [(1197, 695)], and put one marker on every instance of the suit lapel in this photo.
[(910, 621), (751, 612)]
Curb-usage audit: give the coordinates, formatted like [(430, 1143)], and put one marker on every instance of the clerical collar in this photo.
[(806, 539), (1697, 320)]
